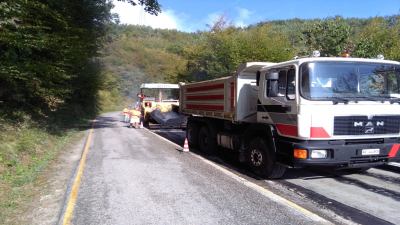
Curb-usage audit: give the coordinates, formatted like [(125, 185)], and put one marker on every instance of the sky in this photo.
[(191, 16)]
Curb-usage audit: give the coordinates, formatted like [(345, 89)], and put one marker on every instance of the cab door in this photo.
[(277, 100)]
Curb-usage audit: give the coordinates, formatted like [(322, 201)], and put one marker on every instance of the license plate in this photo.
[(370, 151)]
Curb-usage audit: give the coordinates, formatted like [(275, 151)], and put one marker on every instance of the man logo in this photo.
[(369, 124)]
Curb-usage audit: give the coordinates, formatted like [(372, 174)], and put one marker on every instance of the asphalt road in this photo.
[(131, 176), (371, 198)]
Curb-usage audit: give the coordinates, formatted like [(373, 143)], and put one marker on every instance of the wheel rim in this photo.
[(256, 157)]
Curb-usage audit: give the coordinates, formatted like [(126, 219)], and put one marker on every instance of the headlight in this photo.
[(319, 154)]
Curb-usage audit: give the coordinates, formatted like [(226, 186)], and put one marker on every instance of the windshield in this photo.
[(349, 80), (159, 95)]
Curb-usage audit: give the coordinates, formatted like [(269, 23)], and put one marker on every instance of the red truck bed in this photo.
[(231, 98)]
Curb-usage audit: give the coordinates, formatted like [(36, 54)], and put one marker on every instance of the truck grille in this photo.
[(361, 125)]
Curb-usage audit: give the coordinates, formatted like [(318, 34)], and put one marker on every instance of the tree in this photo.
[(394, 51), (48, 52), (142, 54), (329, 36), (379, 36), (31, 45), (220, 51)]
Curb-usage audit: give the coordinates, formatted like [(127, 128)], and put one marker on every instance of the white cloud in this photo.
[(214, 17), (243, 17), (135, 15)]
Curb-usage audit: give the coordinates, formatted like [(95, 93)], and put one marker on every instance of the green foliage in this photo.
[(293, 30), (329, 36), (379, 36), (28, 55), (219, 52), (25, 151), (140, 54), (48, 52), (51, 63)]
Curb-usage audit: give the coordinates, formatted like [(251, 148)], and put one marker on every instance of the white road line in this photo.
[(163, 138), (265, 192), (395, 164)]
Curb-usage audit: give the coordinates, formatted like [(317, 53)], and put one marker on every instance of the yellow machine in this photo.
[(158, 96)]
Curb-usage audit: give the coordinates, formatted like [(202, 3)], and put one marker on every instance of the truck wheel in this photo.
[(262, 160), (206, 141), (192, 133)]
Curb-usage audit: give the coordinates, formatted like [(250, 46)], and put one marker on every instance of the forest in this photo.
[(139, 54)]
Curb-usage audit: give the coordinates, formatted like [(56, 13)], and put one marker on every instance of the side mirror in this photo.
[(272, 84)]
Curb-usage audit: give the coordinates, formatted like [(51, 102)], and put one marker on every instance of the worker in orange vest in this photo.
[(135, 118)]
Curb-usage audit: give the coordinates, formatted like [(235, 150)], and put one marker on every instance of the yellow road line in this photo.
[(262, 190), (69, 211)]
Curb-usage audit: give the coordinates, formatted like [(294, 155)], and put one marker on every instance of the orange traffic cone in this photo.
[(186, 145)]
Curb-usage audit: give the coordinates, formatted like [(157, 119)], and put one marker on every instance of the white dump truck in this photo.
[(315, 111)]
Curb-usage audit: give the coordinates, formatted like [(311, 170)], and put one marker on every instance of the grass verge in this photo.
[(26, 149)]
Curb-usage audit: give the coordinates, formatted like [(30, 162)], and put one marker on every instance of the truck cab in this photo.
[(341, 112)]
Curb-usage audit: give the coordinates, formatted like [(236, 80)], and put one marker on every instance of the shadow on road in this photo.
[(105, 122), (229, 159)]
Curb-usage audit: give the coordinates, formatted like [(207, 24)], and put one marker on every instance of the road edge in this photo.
[(72, 193)]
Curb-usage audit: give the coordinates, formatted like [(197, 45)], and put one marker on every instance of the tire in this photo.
[(192, 133), (207, 142), (262, 160)]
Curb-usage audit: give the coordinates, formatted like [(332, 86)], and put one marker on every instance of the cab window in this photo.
[(291, 88), (282, 83), (286, 83)]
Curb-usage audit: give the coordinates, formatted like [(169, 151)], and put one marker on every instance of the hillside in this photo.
[(139, 54)]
